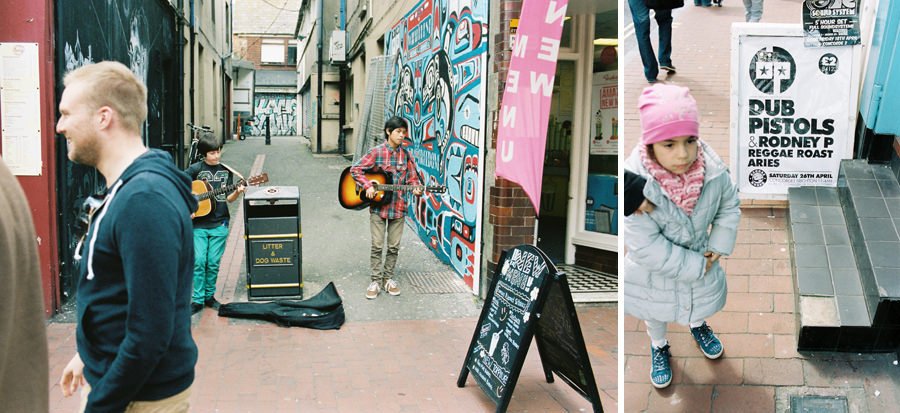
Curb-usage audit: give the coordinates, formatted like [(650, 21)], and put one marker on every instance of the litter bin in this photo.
[(272, 236)]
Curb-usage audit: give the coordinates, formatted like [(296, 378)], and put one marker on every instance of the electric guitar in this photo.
[(352, 196), (206, 195)]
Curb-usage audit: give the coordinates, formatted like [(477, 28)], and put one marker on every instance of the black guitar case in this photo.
[(323, 311)]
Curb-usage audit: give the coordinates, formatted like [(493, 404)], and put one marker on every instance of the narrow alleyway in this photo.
[(393, 354)]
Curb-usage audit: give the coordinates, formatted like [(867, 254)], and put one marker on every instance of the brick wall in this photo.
[(595, 259), (249, 48), (511, 212)]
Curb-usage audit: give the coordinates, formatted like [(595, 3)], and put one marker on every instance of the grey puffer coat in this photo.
[(664, 263)]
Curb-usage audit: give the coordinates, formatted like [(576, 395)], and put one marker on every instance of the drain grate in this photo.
[(819, 404), (441, 282), (585, 280)]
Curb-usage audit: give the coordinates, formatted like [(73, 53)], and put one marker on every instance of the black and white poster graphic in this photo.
[(830, 23), (793, 124)]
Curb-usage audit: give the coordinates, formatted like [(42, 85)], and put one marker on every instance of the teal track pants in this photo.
[(209, 245)]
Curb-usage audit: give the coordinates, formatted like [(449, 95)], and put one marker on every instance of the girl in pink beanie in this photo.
[(672, 273)]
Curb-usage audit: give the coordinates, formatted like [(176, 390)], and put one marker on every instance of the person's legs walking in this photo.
[(216, 247), (201, 246), (755, 12), (377, 227), (664, 20), (640, 15), (394, 235), (660, 369)]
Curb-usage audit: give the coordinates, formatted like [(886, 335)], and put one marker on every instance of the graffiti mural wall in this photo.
[(438, 86), (280, 108), (143, 36)]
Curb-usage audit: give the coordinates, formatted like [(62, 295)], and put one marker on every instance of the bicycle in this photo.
[(193, 156)]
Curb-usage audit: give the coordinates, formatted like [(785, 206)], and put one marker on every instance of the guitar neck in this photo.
[(216, 192), (392, 187)]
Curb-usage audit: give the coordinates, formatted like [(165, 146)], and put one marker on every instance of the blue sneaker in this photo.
[(660, 370), (708, 342)]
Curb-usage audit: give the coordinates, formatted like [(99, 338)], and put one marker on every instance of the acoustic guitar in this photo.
[(352, 196), (206, 195)]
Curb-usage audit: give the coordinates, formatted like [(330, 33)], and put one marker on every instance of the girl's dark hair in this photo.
[(208, 143), (393, 123)]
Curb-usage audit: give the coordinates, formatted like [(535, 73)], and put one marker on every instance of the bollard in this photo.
[(268, 132)]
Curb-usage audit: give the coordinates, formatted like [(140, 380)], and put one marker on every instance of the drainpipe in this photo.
[(319, 78), (179, 62), (193, 42), (342, 136)]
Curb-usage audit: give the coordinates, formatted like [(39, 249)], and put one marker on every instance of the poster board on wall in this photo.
[(604, 114), (20, 108)]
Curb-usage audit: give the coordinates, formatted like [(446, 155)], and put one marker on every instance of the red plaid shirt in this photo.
[(398, 164)]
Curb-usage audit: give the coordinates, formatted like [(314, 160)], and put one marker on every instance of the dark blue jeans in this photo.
[(640, 15)]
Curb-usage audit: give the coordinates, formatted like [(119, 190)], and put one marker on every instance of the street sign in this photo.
[(528, 298), (792, 110)]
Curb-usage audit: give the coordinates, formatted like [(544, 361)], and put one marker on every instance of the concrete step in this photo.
[(846, 254)]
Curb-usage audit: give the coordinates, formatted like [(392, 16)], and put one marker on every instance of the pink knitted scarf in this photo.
[(683, 189)]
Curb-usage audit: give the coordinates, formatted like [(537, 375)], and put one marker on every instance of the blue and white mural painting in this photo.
[(438, 86), (280, 108)]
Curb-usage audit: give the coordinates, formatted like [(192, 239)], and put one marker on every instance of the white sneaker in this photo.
[(373, 290), (392, 287)]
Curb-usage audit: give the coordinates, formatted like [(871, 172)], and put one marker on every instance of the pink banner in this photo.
[(522, 133)]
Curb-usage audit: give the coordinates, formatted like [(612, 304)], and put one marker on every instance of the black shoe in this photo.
[(195, 308), (668, 68), (212, 303)]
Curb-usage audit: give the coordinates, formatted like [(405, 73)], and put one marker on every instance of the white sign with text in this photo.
[(20, 108), (792, 110)]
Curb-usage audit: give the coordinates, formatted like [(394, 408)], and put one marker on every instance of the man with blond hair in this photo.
[(135, 352)]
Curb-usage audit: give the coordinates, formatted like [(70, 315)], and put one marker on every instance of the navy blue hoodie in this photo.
[(134, 288)]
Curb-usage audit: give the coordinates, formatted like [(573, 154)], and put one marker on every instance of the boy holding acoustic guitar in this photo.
[(213, 185), (387, 218)]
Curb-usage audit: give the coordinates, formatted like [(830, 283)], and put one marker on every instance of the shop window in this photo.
[(601, 192)]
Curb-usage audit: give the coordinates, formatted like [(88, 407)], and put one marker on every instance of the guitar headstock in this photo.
[(437, 189), (258, 179)]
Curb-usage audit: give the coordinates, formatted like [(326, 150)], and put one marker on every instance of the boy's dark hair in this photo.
[(208, 143), (393, 123)]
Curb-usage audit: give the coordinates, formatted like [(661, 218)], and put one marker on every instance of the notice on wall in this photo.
[(794, 112), (20, 108), (830, 23), (604, 113)]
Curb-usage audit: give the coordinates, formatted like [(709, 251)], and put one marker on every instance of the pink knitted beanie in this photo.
[(667, 111)]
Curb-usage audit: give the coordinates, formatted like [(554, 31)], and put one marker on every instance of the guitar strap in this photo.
[(230, 169)]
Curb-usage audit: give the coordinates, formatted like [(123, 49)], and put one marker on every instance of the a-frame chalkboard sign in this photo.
[(528, 298)]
